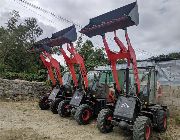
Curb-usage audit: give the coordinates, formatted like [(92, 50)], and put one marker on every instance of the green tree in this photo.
[(170, 56), (92, 56), (15, 39)]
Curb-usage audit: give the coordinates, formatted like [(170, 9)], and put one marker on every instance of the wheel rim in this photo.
[(165, 121), (108, 122), (109, 118), (148, 132), (86, 115), (45, 99), (66, 107)]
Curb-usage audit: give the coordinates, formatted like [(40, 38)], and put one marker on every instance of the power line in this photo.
[(68, 21), (49, 12), (36, 12)]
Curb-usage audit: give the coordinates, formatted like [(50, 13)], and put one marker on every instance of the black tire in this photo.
[(104, 121), (63, 109), (54, 105), (44, 103), (161, 121), (83, 114), (142, 128)]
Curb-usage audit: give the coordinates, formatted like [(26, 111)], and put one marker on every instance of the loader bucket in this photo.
[(42, 47), (120, 18), (67, 35), (43, 41)]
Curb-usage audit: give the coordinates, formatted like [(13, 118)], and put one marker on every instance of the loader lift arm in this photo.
[(53, 63), (120, 18), (75, 59), (67, 36), (124, 53), (49, 68)]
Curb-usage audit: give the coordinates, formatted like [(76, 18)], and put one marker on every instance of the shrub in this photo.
[(40, 76)]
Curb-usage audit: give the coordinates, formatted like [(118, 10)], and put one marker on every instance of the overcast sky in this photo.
[(158, 31)]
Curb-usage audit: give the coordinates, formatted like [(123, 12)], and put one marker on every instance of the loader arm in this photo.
[(75, 59), (120, 18), (124, 53), (49, 68), (70, 66), (56, 66)]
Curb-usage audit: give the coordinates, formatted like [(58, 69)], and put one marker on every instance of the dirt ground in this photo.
[(25, 121)]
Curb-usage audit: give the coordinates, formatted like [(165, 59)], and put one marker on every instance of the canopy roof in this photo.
[(117, 19)]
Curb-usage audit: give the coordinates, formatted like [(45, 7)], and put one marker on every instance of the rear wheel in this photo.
[(142, 128), (104, 121), (44, 103), (54, 105), (64, 109), (161, 121), (83, 114)]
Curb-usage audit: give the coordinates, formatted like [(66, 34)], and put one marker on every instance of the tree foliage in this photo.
[(15, 40), (170, 56), (92, 56), (18, 36)]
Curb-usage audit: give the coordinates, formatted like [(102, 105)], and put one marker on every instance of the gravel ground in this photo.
[(25, 121)]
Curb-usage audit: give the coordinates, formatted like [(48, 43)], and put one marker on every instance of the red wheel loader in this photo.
[(134, 110), (61, 86), (86, 102)]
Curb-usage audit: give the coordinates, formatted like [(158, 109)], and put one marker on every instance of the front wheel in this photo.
[(161, 121), (104, 121), (54, 105), (64, 109), (142, 128), (83, 114), (44, 103)]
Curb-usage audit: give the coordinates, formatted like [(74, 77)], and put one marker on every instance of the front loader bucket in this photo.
[(67, 35), (42, 47), (117, 19), (43, 41)]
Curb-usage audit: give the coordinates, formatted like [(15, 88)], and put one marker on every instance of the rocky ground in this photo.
[(23, 120)]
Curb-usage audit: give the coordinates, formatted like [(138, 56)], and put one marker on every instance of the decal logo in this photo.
[(124, 105), (77, 97)]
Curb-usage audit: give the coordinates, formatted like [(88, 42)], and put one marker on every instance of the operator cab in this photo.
[(147, 76), (103, 85)]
